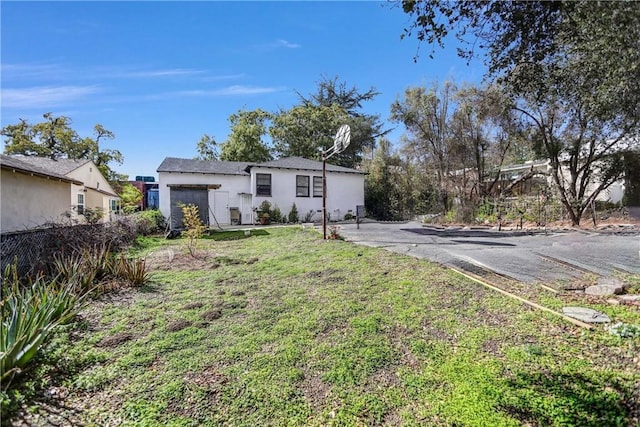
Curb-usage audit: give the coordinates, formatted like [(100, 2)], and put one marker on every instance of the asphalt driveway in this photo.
[(527, 256)]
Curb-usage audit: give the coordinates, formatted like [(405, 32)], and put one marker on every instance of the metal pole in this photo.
[(324, 197)]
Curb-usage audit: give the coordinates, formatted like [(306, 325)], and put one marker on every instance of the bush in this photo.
[(194, 228), (293, 214), (309, 216), (348, 216), (149, 222), (29, 315), (276, 214)]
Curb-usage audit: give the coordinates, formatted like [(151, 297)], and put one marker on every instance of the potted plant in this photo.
[(264, 218), (265, 212)]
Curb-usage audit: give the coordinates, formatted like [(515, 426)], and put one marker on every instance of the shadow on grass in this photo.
[(234, 234), (559, 398)]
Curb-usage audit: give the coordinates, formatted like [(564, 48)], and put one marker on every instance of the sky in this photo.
[(160, 75)]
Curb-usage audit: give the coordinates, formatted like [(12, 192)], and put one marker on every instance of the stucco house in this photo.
[(89, 188), (231, 192), (29, 195)]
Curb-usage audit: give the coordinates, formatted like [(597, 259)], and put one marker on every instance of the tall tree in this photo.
[(245, 143), (55, 138), (426, 116), (308, 128), (575, 67), (380, 190), (485, 133), (207, 148)]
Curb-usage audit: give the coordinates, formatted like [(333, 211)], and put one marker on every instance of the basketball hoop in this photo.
[(340, 143)]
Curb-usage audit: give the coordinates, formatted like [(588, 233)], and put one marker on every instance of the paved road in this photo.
[(535, 256)]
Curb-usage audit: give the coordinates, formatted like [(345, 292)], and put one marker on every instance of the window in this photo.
[(317, 186), (114, 205), (80, 206), (302, 186), (263, 184)]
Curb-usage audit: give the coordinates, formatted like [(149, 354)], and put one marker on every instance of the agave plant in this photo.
[(133, 270), (29, 314), (75, 269)]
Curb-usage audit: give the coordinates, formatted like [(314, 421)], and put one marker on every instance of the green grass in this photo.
[(301, 331)]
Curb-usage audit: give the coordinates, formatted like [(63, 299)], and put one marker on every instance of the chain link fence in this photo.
[(33, 251)]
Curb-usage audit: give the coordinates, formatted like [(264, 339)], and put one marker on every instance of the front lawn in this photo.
[(284, 328)]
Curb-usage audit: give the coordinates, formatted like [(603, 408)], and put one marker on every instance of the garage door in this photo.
[(188, 195)]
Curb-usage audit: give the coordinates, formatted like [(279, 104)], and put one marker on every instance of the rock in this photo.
[(586, 314), (613, 301), (610, 281), (630, 298), (604, 290)]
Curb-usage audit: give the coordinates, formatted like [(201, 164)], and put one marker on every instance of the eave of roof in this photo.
[(18, 166)]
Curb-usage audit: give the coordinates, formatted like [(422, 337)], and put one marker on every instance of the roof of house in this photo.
[(173, 164), (58, 166), (300, 163), (19, 164)]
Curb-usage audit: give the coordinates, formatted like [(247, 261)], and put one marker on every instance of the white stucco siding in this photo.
[(344, 192), (233, 185), (30, 201)]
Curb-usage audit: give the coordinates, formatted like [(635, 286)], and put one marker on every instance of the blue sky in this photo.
[(159, 75)]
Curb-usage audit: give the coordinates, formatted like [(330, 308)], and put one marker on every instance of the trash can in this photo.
[(234, 214)]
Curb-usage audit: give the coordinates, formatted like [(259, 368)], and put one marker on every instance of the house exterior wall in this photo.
[(30, 201), (344, 192), (233, 185), (93, 180)]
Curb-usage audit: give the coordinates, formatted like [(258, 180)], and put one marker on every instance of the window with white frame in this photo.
[(80, 204), (302, 186), (317, 186), (114, 205), (263, 184)]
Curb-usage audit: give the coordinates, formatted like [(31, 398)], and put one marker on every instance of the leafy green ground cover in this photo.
[(284, 328)]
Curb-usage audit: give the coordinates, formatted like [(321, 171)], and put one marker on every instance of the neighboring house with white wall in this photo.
[(542, 168), (89, 189), (231, 192), (31, 196)]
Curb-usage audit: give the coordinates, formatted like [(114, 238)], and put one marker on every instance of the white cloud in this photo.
[(45, 96), (173, 72), (277, 44), (236, 90), (22, 71), (288, 45)]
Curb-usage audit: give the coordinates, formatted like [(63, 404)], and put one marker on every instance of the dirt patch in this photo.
[(192, 305), (178, 325), (115, 340), (212, 315), (315, 390), (174, 259), (209, 379)]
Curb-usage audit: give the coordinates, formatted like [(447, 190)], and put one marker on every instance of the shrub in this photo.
[(276, 214), (133, 270), (29, 315), (93, 216), (309, 216), (334, 232), (293, 214), (348, 216), (149, 222), (194, 228)]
